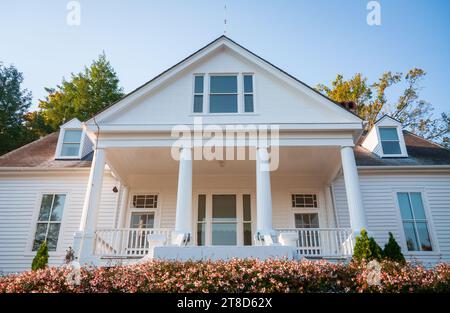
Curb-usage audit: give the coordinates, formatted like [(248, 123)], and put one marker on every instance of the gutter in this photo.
[(401, 168)]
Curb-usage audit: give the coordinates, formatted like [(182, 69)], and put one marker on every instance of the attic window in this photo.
[(223, 94), (389, 140), (71, 143)]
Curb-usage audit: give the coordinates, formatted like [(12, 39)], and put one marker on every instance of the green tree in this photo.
[(14, 103), (41, 259), (366, 248), (372, 102), (84, 95), (392, 250)]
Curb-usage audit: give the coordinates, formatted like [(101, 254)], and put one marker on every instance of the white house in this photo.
[(293, 176)]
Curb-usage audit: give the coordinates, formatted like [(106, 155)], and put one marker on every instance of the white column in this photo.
[(183, 218), (123, 207), (84, 238), (352, 187), (263, 193)]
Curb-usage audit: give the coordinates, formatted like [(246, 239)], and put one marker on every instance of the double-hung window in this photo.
[(49, 221), (223, 94), (71, 143), (248, 93), (389, 140), (198, 93), (414, 221)]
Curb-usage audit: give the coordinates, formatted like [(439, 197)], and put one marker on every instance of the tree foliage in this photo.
[(84, 95), (392, 250), (372, 102), (14, 103), (366, 248), (40, 261)]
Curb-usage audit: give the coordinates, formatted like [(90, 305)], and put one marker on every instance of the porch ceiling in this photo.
[(293, 161)]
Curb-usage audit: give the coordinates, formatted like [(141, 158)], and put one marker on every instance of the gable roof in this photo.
[(203, 52)]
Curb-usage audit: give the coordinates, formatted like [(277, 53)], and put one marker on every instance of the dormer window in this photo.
[(71, 143), (386, 139), (389, 140)]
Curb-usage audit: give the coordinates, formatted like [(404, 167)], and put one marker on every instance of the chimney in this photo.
[(350, 105)]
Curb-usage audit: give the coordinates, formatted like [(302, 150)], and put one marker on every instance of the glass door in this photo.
[(224, 220)]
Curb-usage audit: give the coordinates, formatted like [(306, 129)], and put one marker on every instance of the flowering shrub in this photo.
[(235, 276)]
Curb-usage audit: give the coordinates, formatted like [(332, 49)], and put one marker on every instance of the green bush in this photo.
[(40, 261), (366, 248), (375, 250), (392, 250)]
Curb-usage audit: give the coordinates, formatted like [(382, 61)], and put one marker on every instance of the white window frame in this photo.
[(248, 93), (240, 94), (430, 224), (320, 209), (32, 231), (401, 141), (61, 141), (199, 94), (132, 209)]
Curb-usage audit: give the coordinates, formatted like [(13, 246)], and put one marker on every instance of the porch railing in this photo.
[(321, 242), (126, 242)]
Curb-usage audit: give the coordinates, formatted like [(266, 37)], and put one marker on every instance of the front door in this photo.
[(224, 219)]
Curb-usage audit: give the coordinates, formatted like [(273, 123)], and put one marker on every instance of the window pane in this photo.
[(306, 220), (314, 218), (224, 207), (223, 103), (424, 237), (39, 238), (388, 133), (224, 234), (198, 104), (58, 206), (201, 234), (248, 83), (416, 200), (248, 99), (201, 208), (247, 234), (391, 147), (52, 237), (46, 206), (142, 220), (72, 136), (198, 84), (223, 84), (410, 235), (405, 208), (246, 205), (70, 149), (299, 223)]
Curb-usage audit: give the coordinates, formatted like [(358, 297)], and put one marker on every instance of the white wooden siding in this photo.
[(383, 215), (20, 198)]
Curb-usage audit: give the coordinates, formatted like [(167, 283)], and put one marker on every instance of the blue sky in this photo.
[(312, 40)]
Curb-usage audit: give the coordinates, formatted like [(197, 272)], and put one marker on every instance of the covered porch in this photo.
[(218, 209)]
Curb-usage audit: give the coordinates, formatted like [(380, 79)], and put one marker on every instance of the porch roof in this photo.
[(41, 154)]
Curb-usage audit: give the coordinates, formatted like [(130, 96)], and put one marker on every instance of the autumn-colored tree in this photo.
[(372, 102)]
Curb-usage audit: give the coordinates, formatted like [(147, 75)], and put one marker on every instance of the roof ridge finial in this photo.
[(225, 19)]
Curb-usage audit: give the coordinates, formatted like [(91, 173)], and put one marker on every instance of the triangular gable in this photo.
[(204, 52)]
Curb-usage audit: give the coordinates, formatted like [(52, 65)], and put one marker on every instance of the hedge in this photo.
[(235, 276)]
